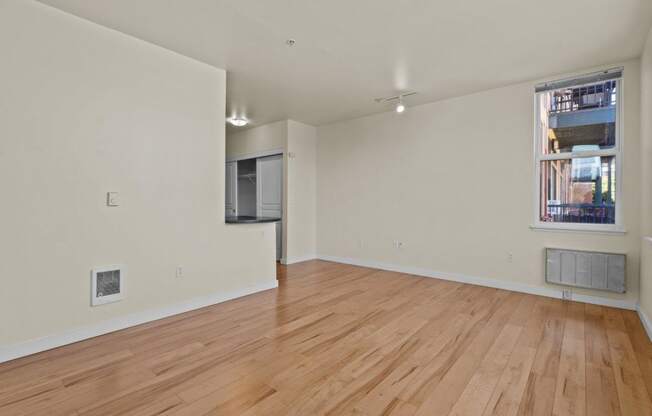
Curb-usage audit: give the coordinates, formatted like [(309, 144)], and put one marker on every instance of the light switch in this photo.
[(112, 199)]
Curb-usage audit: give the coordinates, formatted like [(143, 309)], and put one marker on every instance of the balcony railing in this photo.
[(584, 98), (581, 213)]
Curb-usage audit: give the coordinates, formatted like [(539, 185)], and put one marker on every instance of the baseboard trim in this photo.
[(12, 352), (647, 324), (482, 281), (299, 259)]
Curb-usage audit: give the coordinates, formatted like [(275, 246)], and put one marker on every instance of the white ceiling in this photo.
[(349, 52)]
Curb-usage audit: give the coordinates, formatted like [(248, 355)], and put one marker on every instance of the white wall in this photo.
[(646, 178), (272, 136), (302, 192), (85, 110), (453, 181)]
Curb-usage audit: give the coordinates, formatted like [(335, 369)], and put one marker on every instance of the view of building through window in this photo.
[(577, 153)]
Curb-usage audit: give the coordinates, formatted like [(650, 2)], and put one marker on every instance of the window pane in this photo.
[(579, 190), (578, 118)]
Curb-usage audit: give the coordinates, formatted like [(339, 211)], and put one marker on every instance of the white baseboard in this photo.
[(299, 259), (483, 281), (23, 349), (647, 324)]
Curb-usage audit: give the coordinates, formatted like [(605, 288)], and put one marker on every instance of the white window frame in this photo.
[(616, 151)]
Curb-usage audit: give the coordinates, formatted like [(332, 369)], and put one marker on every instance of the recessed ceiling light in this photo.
[(290, 42), (238, 121)]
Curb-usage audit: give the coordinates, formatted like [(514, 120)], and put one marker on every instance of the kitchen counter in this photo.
[(247, 219)]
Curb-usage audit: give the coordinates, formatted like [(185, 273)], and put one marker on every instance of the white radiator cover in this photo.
[(588, 269)]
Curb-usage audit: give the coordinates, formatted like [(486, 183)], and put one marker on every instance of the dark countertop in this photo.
[(247, 219)]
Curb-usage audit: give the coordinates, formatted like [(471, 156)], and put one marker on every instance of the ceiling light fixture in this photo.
[(238, 121), (400, 106), (290, 42)]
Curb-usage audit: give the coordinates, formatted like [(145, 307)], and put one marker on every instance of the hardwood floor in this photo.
[(342, 340)]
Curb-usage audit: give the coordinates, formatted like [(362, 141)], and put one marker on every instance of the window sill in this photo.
[(580, 228)]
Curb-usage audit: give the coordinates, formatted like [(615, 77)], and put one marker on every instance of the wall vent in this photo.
[(107, 284), (592, 270)]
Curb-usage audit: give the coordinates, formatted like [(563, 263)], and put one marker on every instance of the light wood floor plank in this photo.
[(478, 392), (601, 392), (341, 340), (539, 393), (570, 392), (507, 395), (632, 392), (642, 346), (443, 397)]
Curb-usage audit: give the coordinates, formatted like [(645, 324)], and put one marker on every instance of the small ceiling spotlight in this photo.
[(238, 121), (400, 106), (290, 42)]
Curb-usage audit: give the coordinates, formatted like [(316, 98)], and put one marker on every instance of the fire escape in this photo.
[(583, 119)]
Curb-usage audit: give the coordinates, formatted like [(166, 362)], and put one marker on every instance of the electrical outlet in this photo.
[(179, 272), (567, 294), (398, 244)]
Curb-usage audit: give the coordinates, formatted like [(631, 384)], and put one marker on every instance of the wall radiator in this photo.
[(604, 271)]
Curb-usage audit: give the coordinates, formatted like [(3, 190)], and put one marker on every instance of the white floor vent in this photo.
[(107, 284), (593, 270)]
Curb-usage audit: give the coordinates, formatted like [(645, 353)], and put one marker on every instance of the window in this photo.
[(578, 153)]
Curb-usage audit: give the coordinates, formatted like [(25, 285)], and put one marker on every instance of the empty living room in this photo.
[(304, 208)]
